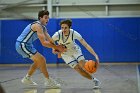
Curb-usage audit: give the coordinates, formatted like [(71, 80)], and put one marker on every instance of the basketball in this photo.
[(90, 66)]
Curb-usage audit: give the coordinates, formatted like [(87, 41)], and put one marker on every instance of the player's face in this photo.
[(65, 28), (44, 20)]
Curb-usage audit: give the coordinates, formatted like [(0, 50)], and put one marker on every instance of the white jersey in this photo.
[(68, 41)]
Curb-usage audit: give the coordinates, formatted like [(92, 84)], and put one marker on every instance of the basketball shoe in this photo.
[(50, 83), (28, 81), (96, 83)]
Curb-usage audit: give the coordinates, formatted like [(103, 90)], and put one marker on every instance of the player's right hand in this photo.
[(61, 48), (55, 51)]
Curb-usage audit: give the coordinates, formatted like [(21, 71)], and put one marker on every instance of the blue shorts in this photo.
[(26, 50)]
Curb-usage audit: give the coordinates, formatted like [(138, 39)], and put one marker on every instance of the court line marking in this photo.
[(15, 78), (51, 75), (11, 79), (138, 78)]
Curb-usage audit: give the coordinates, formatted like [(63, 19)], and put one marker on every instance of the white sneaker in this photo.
[(96, 83), (50, 83), (28, 81)]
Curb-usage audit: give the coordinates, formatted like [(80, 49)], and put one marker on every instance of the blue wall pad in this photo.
[(113, 39)]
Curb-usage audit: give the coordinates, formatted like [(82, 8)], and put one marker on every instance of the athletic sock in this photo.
[(28, 76)]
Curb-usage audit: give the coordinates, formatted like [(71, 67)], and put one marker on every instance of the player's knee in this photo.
[(78, 68), (40, 59), (82, 63)]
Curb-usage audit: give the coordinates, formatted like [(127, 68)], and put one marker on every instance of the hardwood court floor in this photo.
[(114, 79)]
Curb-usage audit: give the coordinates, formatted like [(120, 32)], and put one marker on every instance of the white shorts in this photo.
[(73, 59)]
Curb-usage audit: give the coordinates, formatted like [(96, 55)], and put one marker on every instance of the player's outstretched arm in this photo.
[(89, 48), (48, 37), (42, 38)]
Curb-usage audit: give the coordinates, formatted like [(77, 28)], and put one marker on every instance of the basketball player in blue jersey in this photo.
[(73, 56), (24, 47)]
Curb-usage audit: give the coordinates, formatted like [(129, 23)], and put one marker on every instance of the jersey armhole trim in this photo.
[(72, 35), (58, 36), (35, 23)]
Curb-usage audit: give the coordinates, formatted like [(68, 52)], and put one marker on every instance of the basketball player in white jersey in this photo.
[(73, 56), (24, 46)]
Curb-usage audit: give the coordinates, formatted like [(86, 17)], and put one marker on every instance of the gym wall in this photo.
[(113, 39)]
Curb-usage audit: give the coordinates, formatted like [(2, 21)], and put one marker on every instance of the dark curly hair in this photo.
[(42, 13)]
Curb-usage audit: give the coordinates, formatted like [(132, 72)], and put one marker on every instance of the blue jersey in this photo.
[(28, 35)]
